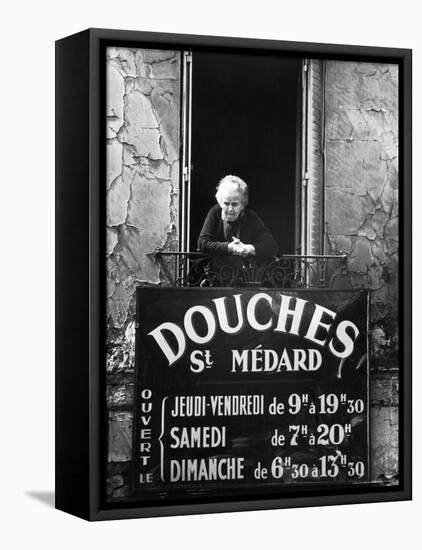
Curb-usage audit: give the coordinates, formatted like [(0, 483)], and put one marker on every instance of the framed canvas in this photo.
[(233, 274)]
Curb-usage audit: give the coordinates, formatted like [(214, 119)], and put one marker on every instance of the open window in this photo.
[(245, 115), (260, 117)]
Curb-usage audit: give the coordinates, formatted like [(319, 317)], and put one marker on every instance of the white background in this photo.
[(28, 32)]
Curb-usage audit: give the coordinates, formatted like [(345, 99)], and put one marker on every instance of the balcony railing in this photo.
[(196, 269)]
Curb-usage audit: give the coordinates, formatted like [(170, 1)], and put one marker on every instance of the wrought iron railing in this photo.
[(196, 269)]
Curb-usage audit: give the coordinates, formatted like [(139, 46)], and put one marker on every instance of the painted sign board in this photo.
[(249, 391)]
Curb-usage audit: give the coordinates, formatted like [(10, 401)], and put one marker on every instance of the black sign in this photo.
[(242, 391)]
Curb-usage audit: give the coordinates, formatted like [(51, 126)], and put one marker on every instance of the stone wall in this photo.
[(143, 144), (361, 192)]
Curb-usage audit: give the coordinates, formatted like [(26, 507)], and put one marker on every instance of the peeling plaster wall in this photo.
[(143, 144), (361, 192), (143, 118)]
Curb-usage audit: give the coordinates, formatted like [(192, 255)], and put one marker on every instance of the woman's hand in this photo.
[(237, 248), (248, 250)]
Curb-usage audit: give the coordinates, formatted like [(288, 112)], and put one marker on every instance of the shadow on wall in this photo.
[(45, 497)]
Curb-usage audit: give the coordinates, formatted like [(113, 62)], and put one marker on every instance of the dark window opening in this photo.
[(246, 121)]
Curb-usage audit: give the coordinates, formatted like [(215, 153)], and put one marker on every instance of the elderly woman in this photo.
[(232, 228)]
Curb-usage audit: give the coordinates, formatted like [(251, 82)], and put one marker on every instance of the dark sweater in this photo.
[(249, 228)]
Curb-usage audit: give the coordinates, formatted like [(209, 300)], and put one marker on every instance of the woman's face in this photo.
[(231, 204)]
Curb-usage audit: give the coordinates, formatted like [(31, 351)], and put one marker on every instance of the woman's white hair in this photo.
[(229, 182)]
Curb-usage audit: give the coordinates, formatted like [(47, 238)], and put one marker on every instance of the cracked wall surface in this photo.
[(361, 193), (142, 152), (143, 119)]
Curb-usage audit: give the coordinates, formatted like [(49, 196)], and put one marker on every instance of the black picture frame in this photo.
[(80, 272)]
